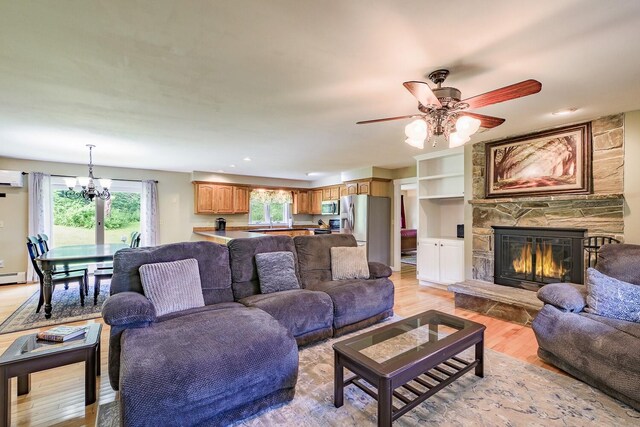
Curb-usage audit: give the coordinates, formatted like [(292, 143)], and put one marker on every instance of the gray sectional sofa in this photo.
[(601, 351), (239, 353)]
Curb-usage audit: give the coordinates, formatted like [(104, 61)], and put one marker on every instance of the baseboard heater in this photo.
[(7, 278)]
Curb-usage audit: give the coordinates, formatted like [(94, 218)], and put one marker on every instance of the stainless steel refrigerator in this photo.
[(368, 218)]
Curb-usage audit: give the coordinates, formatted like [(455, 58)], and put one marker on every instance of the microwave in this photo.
[(331, 207)]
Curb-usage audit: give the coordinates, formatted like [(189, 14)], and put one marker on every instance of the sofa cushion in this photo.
[(242, 254), (213, 264), (276, 272), (566, 296), (620, 261), (301, 311), (314, 255), (611, 297), (356, 299), (349, 263), (631, 328), (172, 286), (173, 373)]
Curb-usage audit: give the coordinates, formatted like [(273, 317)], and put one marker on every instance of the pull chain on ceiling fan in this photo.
[(443, 111)]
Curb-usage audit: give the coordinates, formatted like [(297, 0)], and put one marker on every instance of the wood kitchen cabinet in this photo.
[(315, 202), (371, 187), (301, 202), (240, 199), (335, 193), (343, 191), (326, 194), (220, 199)]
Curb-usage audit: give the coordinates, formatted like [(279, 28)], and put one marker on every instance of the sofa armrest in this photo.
[(377, 270), (127, 308), (565, 296)]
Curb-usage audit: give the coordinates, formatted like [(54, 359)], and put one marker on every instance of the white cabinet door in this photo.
[(429, 260), (451, 261)]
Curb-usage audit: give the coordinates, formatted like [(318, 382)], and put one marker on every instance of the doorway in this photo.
[(405, 232)]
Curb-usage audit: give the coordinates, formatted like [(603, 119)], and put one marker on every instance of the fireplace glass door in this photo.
[(533, 259)]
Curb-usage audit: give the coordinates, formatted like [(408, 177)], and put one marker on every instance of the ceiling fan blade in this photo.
[(364, 122), (518, 90), (486, 121), (422, 92)]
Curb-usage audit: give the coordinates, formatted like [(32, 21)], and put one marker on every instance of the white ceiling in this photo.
[(195, 85)]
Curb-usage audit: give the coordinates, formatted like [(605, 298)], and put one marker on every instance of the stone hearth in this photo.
[(601, 213), (504, 302)]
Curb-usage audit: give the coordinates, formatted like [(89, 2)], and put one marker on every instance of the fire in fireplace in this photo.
[(533, 257)]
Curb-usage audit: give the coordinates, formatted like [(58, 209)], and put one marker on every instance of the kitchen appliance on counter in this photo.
[(334, 225), (331, 207), (368, 219), (221, 224)]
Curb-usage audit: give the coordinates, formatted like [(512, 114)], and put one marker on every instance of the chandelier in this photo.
[(456, 129), (87, 183)]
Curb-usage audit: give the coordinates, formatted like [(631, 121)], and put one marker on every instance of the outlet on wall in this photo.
[(1, 263)]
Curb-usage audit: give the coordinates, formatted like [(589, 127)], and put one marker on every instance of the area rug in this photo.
[(66, 309), (409, 258), (512, 393)]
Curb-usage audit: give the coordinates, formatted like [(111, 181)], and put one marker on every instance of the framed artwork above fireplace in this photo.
[(556, 161)]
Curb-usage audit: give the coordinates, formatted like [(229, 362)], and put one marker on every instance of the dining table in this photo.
[(71, 255)]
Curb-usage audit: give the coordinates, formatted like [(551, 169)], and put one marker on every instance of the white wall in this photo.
[(411, 208)]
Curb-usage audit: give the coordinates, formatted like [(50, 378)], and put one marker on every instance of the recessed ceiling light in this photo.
[(232, 166), (564, 112), (313, 173), (247, 159)]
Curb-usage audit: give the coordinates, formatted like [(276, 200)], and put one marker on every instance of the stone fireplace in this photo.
[(531, 257), (599, 213)]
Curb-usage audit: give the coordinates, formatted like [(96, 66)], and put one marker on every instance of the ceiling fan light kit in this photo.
[(443, 111)]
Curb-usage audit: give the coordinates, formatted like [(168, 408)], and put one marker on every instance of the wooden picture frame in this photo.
[(555, 161)]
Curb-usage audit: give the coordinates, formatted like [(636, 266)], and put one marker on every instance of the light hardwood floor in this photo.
[(57, 395)]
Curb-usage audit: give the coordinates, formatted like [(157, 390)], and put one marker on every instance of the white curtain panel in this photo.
[(40, 212), (149, 221)]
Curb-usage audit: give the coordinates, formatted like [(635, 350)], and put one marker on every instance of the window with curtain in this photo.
[(269, 207)]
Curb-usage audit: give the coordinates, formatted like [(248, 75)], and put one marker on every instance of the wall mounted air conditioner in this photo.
[(11, 179)]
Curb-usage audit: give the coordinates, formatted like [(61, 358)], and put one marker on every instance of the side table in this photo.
[(27, 354)]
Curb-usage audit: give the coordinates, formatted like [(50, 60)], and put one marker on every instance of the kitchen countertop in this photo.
[(228, 235)]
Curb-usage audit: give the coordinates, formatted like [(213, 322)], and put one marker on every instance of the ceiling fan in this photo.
[(443, 111)]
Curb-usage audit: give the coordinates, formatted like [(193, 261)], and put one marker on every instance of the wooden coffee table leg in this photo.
[(338, 382), (24, 384), (90, 377), (385, 396), (480, 358), (5, 398)]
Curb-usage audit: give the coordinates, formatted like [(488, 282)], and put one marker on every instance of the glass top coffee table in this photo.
[(404, 363)]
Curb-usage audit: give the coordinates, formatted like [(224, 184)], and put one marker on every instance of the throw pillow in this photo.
[(276, 272), (172, 286), (611, 297), (349, 263)]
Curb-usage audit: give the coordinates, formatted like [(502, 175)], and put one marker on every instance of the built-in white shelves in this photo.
[(441, 174)]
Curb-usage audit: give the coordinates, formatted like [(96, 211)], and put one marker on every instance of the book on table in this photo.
[(62, 333)]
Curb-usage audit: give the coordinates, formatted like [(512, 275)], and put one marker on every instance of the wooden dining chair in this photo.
[(66, 277), (42, 241)]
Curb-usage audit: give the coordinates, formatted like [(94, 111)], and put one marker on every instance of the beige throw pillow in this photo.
[(172, 286), (349, 263)]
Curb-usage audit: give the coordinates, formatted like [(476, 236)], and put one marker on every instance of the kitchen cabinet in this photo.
[(335, 193), (371, 187), (440, 260), (218, 198), (301, 202), (326, 194), (315, 202), (240, 199), (204, 198), (343, 191)]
